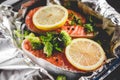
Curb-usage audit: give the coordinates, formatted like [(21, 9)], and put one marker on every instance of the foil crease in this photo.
[(102, 7), (108, 12), (14, 64), (35, 73)]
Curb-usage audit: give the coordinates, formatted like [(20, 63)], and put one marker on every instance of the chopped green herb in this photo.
[(35, 41), (61, 77), (48, 48), (26, 33), (75, 20), (72, 22), (17, 33), (79, 21), (49, 42), (57, 47), (90, 19), (55, 41), (65, 37), (89, 28), (67, 4), (70, 15), (58, 43), (47, 37)]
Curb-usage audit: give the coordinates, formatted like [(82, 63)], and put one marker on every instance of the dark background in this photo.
[(115, 4), (115, 75)]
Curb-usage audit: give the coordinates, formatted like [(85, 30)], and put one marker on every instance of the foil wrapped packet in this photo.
[(13, 59)]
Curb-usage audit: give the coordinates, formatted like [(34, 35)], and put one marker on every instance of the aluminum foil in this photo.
[(20, 73), (102, 7), (14, 62), (107, 11)]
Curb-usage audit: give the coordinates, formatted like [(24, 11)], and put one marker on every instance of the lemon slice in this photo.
[(50, 17), (85, 54)]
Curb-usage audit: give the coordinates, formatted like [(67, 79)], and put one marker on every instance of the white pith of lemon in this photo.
[(85, 54), (50, 17)]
